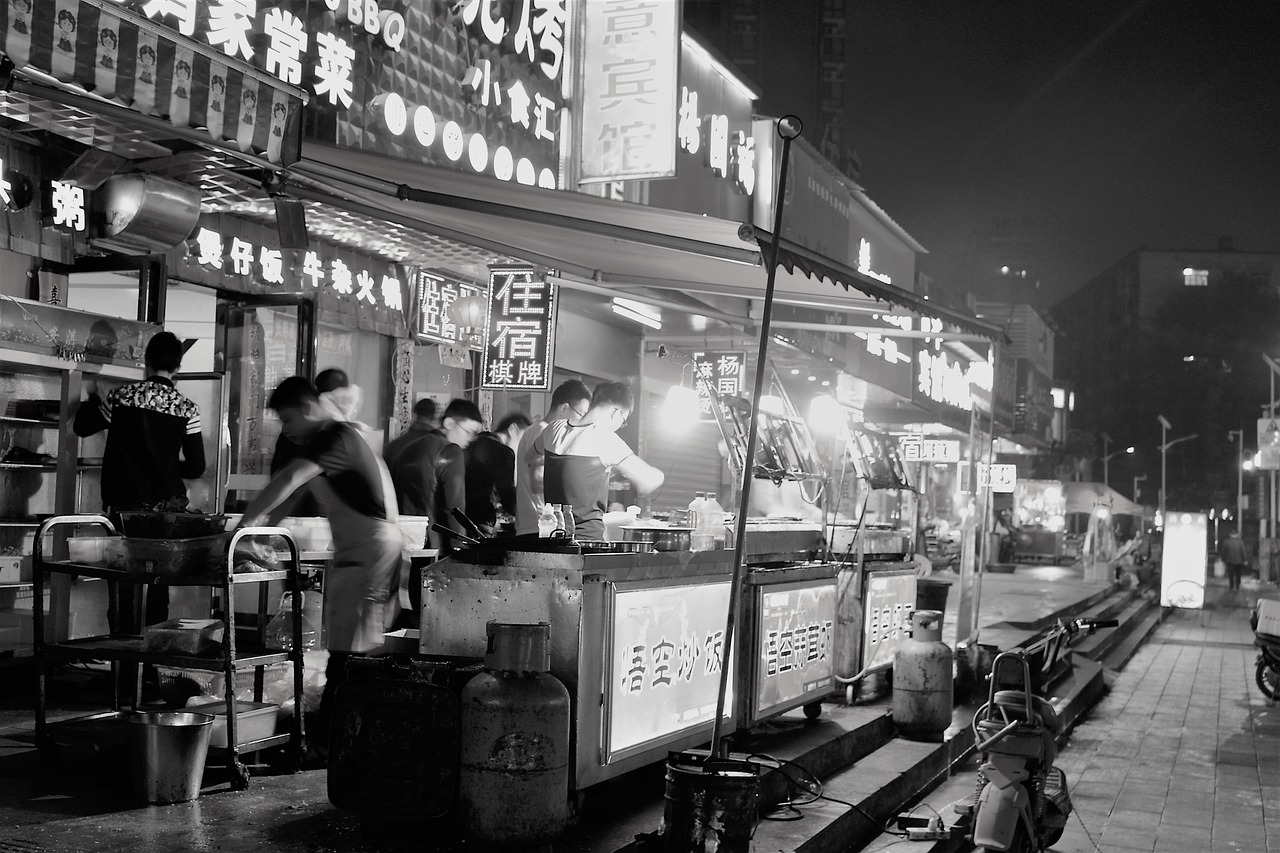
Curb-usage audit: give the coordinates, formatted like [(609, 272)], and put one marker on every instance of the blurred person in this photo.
[(569, 401), (581, 457), (430, 474), (491, 471), (355, 493), (154, 442), (340, 397), (1236, 556)]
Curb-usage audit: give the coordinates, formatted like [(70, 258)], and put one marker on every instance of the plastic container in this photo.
[(254, 720), (96, 550), (176, 556), (715, 521), (414, 528), (184, 636), (167, 751), (547, 521)]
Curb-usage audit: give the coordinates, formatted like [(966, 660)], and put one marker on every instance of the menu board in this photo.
[(889, 601), (794, 654), (666, 652), (1182, 568)]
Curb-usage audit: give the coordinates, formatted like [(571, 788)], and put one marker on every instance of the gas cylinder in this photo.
[(922, 679), (513, 783)]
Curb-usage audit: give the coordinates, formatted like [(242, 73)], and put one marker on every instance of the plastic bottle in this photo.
[(559, 531), (570, 523), (547, 521), (715, 521), (699, 540)]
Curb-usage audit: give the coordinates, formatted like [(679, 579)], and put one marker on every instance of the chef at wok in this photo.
[(579, 457)]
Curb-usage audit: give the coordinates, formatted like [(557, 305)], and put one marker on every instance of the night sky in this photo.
[(1094, 126)]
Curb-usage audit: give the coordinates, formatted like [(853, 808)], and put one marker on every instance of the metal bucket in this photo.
[(167, 751), (710, 804)]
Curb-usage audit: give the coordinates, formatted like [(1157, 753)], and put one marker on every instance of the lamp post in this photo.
[(1238, 434), (1106, 472), (1165, 426)]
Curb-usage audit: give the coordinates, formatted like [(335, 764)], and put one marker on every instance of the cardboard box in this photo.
[(15, 569), (1268, 618)]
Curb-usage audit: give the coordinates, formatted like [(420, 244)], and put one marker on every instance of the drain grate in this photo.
[(19, 846)]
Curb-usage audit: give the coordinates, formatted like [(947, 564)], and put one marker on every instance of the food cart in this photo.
[(1039, 514)]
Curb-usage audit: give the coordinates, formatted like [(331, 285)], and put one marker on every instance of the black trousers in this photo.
[(1234, 571)]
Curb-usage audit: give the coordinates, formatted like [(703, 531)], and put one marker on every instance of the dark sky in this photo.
[(1096, 126)]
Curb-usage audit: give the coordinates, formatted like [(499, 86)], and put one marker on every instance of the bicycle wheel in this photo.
[(1268, 679)]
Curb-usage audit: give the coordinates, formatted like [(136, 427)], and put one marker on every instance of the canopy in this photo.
[(1083, 497)]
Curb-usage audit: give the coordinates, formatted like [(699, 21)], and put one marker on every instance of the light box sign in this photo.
[(717, 374), (666, 652), (434, 299), (1182, 566), (888, 602), (945, 378), (1268, 444), (519, 333), (629, 68), (917, 448), (794, 657)]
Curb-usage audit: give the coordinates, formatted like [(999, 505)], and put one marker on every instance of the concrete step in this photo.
[(1143, 628), (1098, 645)]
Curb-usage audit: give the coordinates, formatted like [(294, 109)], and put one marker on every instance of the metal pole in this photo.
[(789, 128), (1106, 475), (1164, 452)]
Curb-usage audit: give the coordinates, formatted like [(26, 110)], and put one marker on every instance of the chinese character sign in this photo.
[(794, 655), (519, 334), (664, 671), (630, 57), (917, 448), (435, 321), (889, 601), (715, 375)]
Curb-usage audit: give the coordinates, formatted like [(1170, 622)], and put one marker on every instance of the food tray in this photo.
[(170, 525), (254, 720), (176, 556)]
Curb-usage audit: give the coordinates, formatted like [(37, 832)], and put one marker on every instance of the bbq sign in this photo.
[(519, 331)]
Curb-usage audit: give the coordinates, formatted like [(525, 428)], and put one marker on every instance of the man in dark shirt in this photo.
[(491, 471), (429, 473), (153, 444)]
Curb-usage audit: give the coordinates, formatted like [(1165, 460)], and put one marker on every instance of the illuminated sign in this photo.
[(864, 262), (1268, 458), (68, 203), (718, 372), (666, 651), (728, 155), (998, 477), (312, 269), (795, 654), (1182, 566), (944, 378), (435, 296), (919, 449), (888, 604), (629, 59), (519, 331)]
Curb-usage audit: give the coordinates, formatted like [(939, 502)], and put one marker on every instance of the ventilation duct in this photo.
[(143, 214)]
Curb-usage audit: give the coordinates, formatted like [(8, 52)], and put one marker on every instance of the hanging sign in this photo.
[(795, 654), (919, 449), (435, 297), (519, 331), (717, 374), (629, 64), (1268, 444)]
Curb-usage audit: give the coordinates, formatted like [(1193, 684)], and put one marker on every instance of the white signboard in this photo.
[(1182, 570), (1001, 478), (666, 651), (1268, 444), (919, 449), (630, 101), (794, 656), (889, 601)]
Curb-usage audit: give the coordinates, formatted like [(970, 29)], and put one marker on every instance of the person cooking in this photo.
[(569, 401), (356, 495), (579, 458)]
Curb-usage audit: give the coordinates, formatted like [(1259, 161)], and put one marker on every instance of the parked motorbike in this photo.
[(1022, 802), (1267, 673)]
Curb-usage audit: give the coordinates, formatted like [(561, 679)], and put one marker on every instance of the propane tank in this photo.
[(922, 688), (513, 783)]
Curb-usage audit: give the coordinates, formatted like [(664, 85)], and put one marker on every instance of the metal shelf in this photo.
[(153, 579), (10, 419), (16, 585), (30, 466), (13, 522), (133, 650)]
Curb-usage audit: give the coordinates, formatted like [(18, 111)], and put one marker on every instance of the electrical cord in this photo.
[(814, 789)]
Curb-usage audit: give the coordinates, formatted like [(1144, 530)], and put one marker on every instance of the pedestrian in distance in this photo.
[(1234, 553)]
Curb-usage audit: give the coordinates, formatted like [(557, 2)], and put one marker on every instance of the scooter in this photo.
[(1267, 673), (1022, 801)]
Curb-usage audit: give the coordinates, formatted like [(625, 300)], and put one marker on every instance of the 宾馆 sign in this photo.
[(519, 333), (663, 672), (435, 297), (919, 449), (715, 375), (794, 656)]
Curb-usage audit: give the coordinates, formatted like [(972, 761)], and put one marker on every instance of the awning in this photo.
[(115, 64)]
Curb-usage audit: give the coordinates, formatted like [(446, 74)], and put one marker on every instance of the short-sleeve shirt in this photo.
[(529, 495), (352, 469), (149, 423), (578, 459)]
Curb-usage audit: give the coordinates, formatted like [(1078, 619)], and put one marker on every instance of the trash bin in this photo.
[(932, 594), (166, 754)]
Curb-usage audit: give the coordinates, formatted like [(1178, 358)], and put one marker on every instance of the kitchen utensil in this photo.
[(467, 524), (450, 532), (597, 546), (662, 538)]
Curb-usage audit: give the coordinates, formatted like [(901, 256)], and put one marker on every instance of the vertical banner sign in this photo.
[(519, 331), (889, 601), (663, 673), (435, 296), (630, 58), (717, 374), (795, 655), (1182, 568)]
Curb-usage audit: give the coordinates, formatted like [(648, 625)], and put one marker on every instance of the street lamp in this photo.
[(1238, 434), (1106, 472), (1165, 426)]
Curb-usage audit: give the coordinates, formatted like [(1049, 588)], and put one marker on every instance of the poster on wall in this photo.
[(1182, 568), (519, 331), (666, 653), (889, 600), (795, 655)]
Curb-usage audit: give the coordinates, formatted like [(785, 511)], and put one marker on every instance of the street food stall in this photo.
[(1039, 517)]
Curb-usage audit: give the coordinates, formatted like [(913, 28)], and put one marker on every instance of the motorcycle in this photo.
[(1022, 802), (1267, 672)]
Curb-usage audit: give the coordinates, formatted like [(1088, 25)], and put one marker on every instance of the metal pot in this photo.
[(593, 546), (662, 538)]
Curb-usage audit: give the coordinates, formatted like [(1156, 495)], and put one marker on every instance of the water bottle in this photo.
[(715, 521), (559, 531), (698, 540), (547, 522), (570, 523)]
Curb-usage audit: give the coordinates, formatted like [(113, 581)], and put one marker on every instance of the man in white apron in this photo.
[(356, 495)]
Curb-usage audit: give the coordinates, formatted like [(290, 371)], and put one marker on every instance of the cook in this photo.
[(579, 457)]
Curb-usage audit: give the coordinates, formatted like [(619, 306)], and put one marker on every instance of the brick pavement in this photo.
[(1183, 754)]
